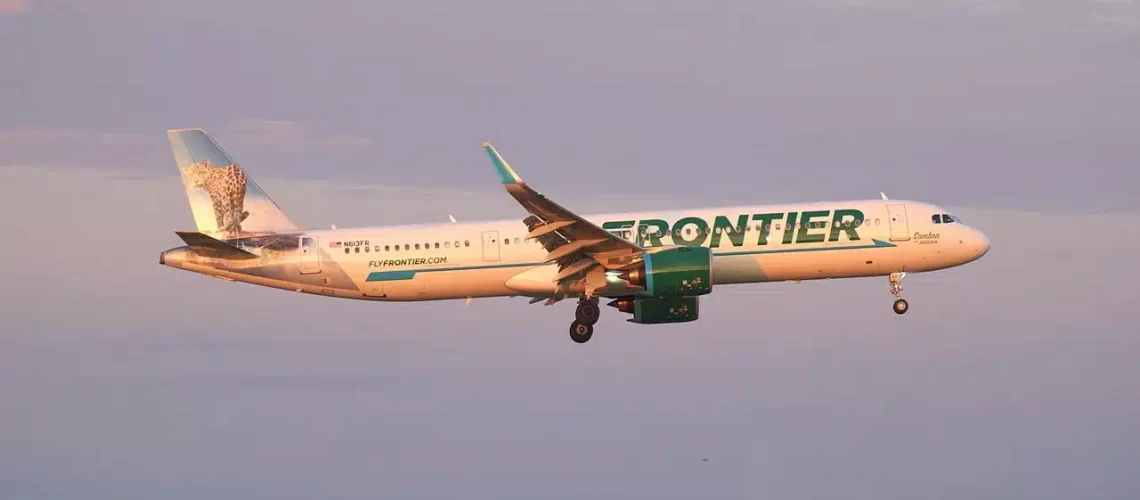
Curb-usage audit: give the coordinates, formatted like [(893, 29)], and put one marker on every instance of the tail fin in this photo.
[(225, 201)]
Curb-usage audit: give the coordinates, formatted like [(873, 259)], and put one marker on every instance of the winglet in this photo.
[(506, 174)]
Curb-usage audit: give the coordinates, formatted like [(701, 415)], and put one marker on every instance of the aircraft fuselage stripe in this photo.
[(409, 274)]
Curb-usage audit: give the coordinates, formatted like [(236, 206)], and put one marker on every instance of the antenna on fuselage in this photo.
[(884, 195), (452, 219), (333, 227)]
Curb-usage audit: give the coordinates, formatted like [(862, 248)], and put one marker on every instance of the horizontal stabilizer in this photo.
[(210, 247)]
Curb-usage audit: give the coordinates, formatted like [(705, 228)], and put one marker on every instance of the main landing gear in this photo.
[(901, 305), (584, 319)]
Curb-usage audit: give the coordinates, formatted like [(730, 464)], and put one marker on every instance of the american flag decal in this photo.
[(334, 244)]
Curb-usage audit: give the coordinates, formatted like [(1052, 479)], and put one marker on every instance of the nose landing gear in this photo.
[(901, 306)]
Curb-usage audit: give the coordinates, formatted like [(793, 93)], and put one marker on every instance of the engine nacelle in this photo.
[(676, 272), (657, 311)]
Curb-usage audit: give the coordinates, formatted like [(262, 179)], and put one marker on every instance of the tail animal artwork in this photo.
[(226, 188), (226, 203)]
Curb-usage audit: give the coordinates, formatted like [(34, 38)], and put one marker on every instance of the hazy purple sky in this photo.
[(1013, 377)]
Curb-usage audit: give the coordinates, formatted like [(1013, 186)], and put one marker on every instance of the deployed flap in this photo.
[(557, 227), (210, 247)]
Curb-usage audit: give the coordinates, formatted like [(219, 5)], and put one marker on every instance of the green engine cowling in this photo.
[(676, 272), (657, 311)]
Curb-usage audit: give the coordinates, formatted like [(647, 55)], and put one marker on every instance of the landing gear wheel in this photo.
[(588, 312), (901, 306), (895, 280), (581, 332)]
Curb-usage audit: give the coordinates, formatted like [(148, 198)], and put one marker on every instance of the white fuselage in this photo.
[(493, 258)]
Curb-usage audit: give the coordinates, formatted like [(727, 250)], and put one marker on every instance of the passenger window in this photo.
[(437, 244), (516, 241), (347, 250), (447, 244), (407, 246), (506, 241), (466, 243), (386, 248), (357, 249), (876, 222), (366, 249), (456, 243), (417, 246)]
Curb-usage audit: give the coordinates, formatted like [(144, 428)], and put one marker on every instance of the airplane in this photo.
[(653, 266)]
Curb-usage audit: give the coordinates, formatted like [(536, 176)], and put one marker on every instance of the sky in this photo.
[(1012, 377)]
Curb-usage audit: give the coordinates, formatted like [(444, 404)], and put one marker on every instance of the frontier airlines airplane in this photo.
[(653, 266)]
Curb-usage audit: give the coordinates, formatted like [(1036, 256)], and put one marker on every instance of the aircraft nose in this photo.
[(981, 243)]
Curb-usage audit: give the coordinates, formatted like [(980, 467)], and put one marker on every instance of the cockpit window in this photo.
[(937, 218), (950, 219)]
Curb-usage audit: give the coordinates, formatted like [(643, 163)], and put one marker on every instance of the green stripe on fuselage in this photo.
[(876, 244), (411, 273)]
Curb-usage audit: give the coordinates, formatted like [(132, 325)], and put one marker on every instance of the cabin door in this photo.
[(310, 254), (490, 246), (899, 229)]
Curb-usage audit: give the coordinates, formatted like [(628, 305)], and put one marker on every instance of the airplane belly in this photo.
[(538, 281)]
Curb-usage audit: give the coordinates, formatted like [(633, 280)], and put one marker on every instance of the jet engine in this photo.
[(676, 272)]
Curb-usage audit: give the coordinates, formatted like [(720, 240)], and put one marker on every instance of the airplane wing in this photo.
[(582, 250)]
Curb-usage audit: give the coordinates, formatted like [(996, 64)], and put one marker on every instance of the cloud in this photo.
[(270, 133), (126, 139), (33, 137), (286, 133), (13, 6), (41, 138), (992, 7), (1118, 21), (344, 141)]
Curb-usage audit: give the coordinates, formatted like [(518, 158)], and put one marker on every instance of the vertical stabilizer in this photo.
[(225, 201)]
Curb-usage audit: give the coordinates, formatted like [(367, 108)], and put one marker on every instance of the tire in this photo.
[(901, 306), (581, 332), (588, 312)]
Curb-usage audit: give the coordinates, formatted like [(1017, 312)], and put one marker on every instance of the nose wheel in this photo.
[(901, 306), (584, 319)]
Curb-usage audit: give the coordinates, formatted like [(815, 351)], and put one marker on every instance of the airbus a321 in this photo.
[(652, 266)]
